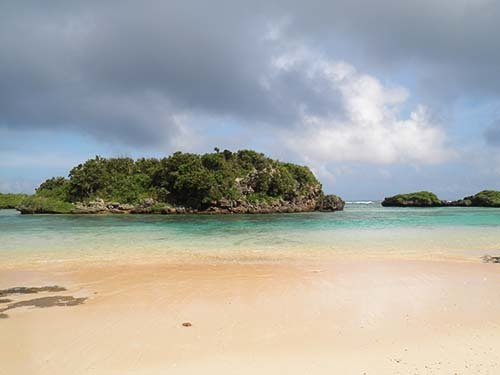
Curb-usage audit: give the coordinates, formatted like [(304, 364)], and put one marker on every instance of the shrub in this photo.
[(38, 204), (55, 187), (11, 200)]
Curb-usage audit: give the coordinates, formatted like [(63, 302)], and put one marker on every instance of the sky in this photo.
[(377, 97)]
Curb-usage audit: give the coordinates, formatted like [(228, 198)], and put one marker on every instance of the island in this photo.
[(485, 198), (222, 182)]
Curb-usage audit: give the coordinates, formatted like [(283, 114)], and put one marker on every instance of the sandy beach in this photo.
[(343, 316)]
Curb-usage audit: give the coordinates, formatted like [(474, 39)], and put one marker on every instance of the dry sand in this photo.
[(337, 316)]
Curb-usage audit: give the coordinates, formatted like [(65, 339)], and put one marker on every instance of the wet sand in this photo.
[(329, 316)]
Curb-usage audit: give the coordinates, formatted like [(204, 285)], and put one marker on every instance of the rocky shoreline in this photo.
[(327, 203)]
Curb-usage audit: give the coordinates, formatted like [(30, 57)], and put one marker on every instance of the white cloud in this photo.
[(367, 127)]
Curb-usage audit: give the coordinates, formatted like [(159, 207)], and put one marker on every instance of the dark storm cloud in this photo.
[(492, 134), (123, 70), (120, 69)]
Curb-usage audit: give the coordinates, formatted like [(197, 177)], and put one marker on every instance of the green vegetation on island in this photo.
[(241, 182), (485, 198), (11, 200), (35, 204)]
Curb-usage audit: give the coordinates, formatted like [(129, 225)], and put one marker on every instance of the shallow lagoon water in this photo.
[(361, 229)]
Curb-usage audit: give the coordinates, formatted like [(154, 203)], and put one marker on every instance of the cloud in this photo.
[(126, 76), (492, 134), (366, 125), (448, 43)]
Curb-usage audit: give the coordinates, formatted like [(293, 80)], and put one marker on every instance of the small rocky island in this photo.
[(485, 198), (219, 183)]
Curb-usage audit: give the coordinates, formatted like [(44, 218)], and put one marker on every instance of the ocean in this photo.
[(362, 229)]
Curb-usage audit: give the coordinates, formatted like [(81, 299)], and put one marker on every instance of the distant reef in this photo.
[(222, 182), (485, 198)]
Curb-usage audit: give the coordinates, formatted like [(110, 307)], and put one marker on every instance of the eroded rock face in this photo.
[(7, 304), (92, 207), (314, 200), (331, 203), (31, 290)]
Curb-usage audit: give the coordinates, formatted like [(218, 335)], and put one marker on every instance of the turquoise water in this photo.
[(359, 229)]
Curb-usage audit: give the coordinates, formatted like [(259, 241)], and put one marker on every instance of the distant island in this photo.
[(221, 182), (485, 198)]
